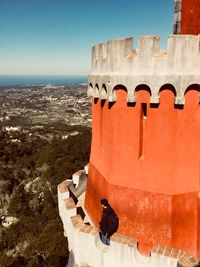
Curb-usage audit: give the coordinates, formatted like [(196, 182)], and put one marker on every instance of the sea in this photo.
[(8, 80)]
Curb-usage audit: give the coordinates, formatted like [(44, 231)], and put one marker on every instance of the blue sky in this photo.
[(54, 37)]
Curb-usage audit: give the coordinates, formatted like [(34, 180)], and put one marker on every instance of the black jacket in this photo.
[(105, 226)]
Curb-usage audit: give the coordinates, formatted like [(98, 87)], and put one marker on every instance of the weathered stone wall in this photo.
[(177, 16)]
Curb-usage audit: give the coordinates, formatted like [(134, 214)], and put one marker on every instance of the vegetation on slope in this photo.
[(30, 170)]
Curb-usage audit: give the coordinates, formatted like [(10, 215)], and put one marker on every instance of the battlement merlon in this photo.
[(117, 62)]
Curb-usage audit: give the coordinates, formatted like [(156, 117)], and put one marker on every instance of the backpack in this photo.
[(113, 222)]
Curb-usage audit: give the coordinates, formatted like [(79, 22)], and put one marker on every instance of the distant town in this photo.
[(42, 105)]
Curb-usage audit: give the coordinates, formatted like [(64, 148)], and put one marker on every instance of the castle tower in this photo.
[(145, 155), (145, 152)]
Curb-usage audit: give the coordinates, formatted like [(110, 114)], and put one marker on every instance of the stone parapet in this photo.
[(63, 187), (69, 203), (184, 259), (77, 176), (88, 250), (118, 63)]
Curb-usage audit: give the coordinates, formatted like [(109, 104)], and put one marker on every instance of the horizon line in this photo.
[(49, 75)]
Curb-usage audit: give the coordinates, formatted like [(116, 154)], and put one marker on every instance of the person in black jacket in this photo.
[(106, 225)]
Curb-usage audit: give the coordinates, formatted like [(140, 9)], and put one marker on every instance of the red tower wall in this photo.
[(148, 168), (190, 17)]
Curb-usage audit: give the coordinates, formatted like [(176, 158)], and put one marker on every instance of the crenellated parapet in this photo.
[(118, 63)]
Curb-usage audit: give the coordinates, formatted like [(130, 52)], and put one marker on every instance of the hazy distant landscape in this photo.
[(45, 137), (33, 105)]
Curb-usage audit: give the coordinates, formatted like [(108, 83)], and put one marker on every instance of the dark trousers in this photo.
[(104, 238)]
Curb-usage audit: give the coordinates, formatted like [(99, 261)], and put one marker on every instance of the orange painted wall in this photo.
[(198, 228), (147, 168), (170, 144), (185, 220), (149, 217), (190, 17)]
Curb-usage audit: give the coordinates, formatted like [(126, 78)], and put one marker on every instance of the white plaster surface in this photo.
[(118, 63), (117, 255)]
